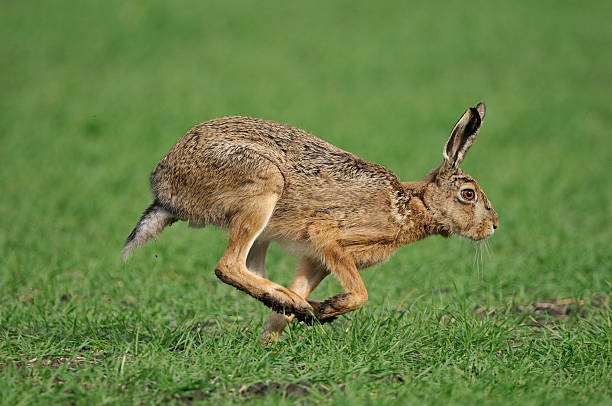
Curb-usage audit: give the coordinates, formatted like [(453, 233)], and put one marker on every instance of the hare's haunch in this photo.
[(264, 181)]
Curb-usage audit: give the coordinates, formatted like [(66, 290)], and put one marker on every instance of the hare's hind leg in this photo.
[(244, 228), (307, 277)]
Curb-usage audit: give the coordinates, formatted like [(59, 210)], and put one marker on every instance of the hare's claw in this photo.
[(321, 310)]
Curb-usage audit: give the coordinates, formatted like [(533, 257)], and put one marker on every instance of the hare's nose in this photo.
[(495, 219)]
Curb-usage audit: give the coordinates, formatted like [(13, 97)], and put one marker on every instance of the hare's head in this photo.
[(454, 198)]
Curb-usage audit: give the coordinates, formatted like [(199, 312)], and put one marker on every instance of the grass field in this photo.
[(92, 94)]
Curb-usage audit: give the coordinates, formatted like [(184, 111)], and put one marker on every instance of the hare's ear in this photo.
[(463, 135)]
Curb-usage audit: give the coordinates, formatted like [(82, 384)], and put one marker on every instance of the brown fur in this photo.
[(264, 181)]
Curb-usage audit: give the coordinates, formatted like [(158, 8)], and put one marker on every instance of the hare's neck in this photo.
[(419, 222)]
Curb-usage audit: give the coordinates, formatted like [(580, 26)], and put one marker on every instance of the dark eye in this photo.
[(468, 194)]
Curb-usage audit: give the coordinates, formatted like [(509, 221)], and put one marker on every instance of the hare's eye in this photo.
[(468, 194)]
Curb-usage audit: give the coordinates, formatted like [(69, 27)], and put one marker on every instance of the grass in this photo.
[(94, 93)]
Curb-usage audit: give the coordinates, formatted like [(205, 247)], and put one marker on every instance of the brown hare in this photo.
[(264, 181)]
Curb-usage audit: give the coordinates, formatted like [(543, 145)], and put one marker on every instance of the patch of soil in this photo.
[(73, 362), (560, 309), (196, 395), (397, 378), (291, 390)]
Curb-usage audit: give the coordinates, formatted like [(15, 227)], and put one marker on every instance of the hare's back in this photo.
[(296, 152), (306, 162), (317, 175), (321, 181)]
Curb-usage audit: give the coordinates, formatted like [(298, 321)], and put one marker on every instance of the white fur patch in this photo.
[(148, 227)]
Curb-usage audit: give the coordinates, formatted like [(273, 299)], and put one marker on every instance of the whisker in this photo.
[(488, 250), (482, 265), (478, 264)]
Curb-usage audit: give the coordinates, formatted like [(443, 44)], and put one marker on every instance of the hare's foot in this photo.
[(319, 311), (274, 328), (276, 297), (329, 309)]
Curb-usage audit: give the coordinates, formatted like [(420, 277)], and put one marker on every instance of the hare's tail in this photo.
[(152, 222)]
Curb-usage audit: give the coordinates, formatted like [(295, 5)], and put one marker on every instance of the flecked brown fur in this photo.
[(264, 181)]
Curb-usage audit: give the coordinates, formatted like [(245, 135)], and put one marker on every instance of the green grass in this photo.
[(92, 94)]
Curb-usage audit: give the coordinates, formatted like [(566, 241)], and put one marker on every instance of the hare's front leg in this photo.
[(355, 295), (245, 226), (307, 277)]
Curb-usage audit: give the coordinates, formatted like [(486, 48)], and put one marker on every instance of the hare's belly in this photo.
[(300, 248)]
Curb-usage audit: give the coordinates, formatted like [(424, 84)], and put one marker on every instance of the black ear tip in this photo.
[(482, 109), (475, 116)]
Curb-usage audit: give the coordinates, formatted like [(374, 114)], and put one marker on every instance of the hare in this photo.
[(264, 181)]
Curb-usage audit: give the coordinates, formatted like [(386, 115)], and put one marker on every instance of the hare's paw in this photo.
[(285, 301), (325, 311), (276, 297), (334, 306)]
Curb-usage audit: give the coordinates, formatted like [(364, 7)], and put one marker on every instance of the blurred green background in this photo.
[(94, 93)]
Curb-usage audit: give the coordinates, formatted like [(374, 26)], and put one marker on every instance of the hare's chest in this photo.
[(368, 255)]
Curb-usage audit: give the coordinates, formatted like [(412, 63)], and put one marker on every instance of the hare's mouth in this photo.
[(478, 235), (483, 236), (482, 231)]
